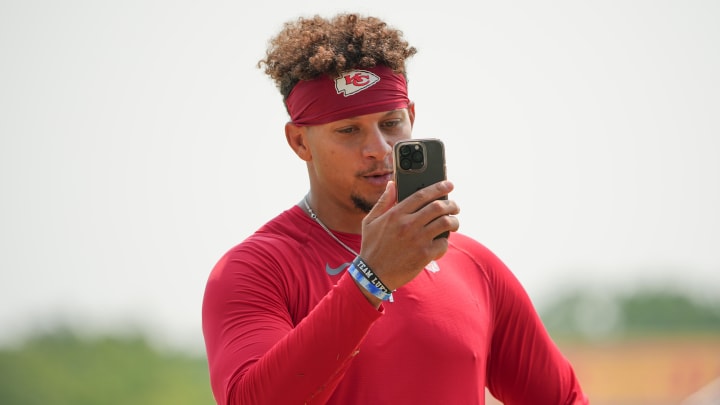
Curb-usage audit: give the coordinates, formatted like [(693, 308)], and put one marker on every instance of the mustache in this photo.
[(382, 167)]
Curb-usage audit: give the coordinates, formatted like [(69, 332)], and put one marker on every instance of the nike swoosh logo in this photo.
[(337, 270)]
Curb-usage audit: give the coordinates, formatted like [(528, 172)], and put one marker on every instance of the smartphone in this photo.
[(418, 164)]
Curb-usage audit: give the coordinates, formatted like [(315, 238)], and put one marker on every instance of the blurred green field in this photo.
[(62, 368), (648, 348)]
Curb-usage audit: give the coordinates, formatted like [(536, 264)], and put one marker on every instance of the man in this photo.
[(348, 297)]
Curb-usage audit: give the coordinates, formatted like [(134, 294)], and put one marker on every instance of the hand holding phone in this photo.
[(418, 164)]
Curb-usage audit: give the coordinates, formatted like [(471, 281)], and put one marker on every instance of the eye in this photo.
[(346, 130), (391, 123)]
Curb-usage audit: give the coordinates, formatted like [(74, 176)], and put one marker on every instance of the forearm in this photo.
[(306, 364)]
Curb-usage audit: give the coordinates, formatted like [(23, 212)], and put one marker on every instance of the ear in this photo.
[(411, 112), (297, 139)]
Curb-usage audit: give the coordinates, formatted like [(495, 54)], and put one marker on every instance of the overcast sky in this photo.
[(139, 142)]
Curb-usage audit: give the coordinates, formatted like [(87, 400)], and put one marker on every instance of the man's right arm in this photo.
[(255, 353)]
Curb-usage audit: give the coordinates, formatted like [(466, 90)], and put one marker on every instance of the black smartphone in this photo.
[(418, 164)]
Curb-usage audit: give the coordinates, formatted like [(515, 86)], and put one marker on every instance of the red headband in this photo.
[(357, 92)]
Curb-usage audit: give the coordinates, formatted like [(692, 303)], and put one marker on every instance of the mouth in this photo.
[(379, 177)]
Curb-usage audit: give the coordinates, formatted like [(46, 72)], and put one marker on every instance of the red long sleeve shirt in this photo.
[(281, 327)]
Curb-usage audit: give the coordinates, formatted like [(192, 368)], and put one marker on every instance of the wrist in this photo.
[(368, 280)]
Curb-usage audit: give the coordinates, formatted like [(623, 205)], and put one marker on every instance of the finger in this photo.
[(437, 217), (422, 197), (433, 210), (438, 207), (384, 203), (445, 223)]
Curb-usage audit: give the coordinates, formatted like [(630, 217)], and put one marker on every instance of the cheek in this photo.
[(333, 163), (334, 160)]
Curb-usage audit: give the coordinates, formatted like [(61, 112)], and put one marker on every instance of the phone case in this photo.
[(419, 173), (422, 166)]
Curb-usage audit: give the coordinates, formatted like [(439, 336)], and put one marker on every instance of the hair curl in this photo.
[(310, 47)]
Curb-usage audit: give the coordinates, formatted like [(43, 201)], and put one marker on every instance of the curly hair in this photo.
[(311, 47)]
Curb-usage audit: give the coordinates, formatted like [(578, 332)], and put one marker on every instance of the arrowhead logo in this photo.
[(335, 271), (355, 81)]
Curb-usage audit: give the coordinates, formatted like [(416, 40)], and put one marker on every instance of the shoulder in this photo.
[(272, 245), (466, 251), (286, 230), (474, 249)]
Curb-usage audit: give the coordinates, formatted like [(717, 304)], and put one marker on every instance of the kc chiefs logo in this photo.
[(355, 81)]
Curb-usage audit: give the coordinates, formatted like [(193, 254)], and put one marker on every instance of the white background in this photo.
[(139, 142)]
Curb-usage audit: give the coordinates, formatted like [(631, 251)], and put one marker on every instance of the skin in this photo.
[(350, 168)]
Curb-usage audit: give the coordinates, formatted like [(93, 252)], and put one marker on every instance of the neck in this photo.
[(332, 217)]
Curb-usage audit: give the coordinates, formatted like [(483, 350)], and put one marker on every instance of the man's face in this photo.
[(352, 158)]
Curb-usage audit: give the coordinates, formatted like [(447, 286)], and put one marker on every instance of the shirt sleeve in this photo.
[(255, 353), (525, 366)]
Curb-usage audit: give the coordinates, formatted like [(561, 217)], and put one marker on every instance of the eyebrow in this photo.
[(399, 110), (389, 113)]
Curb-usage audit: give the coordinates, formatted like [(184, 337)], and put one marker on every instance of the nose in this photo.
[(377, 145)]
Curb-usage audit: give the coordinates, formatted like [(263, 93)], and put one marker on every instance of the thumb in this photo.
[(384, 203)]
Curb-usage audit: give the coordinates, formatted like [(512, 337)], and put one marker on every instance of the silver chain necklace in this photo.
[(332, 235), (315, 217)]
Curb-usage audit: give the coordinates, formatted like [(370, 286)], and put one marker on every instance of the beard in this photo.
[(362, 204)]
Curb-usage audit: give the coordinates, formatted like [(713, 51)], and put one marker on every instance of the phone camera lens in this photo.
[(411, 156)]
